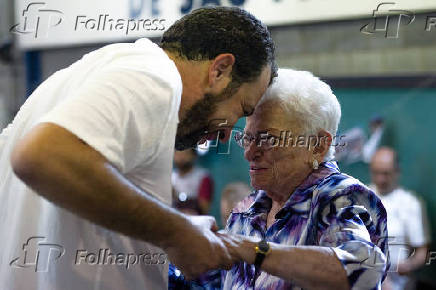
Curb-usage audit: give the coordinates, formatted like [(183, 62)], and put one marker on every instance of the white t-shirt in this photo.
[(122, 100), (406, 221)]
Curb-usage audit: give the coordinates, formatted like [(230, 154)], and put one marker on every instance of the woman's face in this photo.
[(280, 169)]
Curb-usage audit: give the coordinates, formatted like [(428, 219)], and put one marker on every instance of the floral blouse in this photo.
[(328, 209)]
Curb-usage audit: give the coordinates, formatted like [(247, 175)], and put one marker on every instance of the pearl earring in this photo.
[(315, 164)]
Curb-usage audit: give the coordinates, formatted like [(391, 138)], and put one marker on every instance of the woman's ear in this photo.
[(322, 146), (220, 69)]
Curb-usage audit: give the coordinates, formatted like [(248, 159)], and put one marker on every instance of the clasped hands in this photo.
[(202, 248)]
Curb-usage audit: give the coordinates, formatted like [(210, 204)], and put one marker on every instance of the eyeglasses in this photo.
[(264, 141)]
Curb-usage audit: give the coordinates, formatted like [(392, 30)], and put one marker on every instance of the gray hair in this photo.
[(308, 99)]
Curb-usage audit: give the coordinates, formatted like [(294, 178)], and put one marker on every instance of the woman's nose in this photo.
[(252, 151)]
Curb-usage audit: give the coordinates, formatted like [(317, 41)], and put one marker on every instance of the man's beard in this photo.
[(196, 123)]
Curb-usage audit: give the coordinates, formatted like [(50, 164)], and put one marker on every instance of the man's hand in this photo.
[(206, 222), (200, 250)]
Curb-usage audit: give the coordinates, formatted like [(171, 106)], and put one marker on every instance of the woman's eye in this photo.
[(273, 141)]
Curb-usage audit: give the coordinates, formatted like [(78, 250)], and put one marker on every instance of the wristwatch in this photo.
[(262, 250)]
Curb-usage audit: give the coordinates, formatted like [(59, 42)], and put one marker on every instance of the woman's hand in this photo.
[(240, 247)]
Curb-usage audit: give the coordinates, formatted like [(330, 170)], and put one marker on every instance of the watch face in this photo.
[(263, 246)]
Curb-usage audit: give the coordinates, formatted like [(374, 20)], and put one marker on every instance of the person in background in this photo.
[(192, 184), (232, 194), (354, 146), (406, 220)]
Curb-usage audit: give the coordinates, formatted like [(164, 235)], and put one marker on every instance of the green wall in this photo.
[(410, 128)]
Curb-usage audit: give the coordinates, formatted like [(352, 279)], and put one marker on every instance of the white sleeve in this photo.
[(416, 224), (119, 112)]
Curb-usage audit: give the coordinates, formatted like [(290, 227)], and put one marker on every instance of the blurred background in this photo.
[(378, 57)]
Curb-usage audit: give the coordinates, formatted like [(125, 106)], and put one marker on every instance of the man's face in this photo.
[(384, 174), (218, 113)]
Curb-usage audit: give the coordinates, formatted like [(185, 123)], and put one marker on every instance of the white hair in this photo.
[(308, 99)]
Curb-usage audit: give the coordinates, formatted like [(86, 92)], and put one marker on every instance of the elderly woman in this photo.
[(306, 224)]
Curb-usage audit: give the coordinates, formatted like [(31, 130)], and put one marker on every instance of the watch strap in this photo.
[(262, 249)]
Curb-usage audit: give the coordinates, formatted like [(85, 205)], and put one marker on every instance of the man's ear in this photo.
[(323, 142), (221, 68)]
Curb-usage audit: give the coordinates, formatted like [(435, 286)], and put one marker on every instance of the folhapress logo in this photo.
[(388, 21), (38, 254), (37, 20)]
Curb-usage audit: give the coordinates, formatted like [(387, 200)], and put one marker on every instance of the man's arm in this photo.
[(68, 172), (414, 262), (416, 226)]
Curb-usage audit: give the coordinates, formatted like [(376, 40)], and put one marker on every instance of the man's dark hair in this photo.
[(207, 32)]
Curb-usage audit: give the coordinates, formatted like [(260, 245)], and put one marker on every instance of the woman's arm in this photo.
[(346, 255), (310, 267)]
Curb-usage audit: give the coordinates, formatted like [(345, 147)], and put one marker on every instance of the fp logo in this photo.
[(38, 254), (37, 21), (387, 20)]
